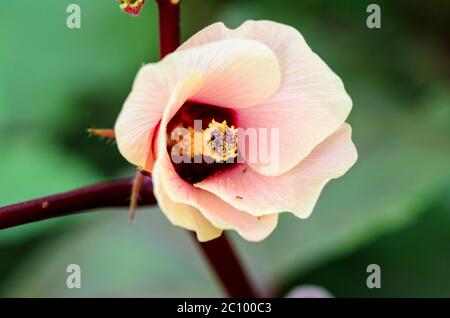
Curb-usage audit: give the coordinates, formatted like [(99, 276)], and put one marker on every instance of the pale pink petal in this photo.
[(180, 214), (185, 216), (140, 115), (212, 33), (216, 211), (311, 102), (238, 73), (219, 213), (296, 191)]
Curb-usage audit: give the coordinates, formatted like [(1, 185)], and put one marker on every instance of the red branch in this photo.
[(169, 26), (109, 194), (117, 193), (223, 259)]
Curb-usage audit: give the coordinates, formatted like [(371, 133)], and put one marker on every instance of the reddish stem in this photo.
[(109, 194), (169, 26), (219, 252), (228, 269)]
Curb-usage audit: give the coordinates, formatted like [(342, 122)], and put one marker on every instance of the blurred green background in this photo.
[(391, 209)]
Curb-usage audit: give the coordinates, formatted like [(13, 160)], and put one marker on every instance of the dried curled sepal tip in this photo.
[(132, 7), (138, 181), (104, 133)]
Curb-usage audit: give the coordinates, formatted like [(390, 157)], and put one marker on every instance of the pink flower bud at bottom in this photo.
[(309, 291)]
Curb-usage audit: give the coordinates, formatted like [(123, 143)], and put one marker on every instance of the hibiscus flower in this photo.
[(261, 77)]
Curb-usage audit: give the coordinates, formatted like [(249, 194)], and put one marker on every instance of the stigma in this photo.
[(218, 142)]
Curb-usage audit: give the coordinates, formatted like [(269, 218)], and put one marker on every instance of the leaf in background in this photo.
[(149, 258), (45, 65), (402, 168), (414, 261), (33, 168)]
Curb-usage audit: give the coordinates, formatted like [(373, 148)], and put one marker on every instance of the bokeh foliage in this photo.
[(390, 209)]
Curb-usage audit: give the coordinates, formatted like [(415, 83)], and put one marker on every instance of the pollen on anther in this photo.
[(220, 141)]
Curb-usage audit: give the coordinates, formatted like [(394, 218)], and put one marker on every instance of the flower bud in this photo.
[(132, 7)]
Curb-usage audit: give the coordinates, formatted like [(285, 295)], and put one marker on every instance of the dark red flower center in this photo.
[(201, 140)]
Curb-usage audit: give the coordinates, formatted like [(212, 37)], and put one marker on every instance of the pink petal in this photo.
[(220, 214), (140, 115), (185, 216), (236, 73), (180, 214), (296, 191), (311, 102)]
